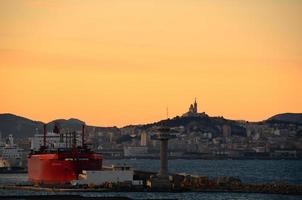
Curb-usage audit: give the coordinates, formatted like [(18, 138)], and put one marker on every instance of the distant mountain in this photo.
[(72, 123), (18, 126), (22, 127), (295, 118)]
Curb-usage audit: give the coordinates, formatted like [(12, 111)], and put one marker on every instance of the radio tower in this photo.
[(167, 112)]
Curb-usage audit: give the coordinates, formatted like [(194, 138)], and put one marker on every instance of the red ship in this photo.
[(62, 165)]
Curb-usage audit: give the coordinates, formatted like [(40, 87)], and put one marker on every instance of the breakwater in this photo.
[(179, 183)]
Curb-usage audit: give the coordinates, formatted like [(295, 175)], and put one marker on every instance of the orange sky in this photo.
[(122, 62)]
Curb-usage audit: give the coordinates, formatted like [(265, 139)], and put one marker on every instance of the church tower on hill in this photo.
[(193, 108), (193, 111)]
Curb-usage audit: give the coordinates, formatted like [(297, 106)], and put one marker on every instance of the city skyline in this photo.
[(125, 62)]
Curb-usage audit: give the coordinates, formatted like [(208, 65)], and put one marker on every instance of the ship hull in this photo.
[(60, 168)]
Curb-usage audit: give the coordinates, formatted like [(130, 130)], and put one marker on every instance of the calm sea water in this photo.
[(249, 171)]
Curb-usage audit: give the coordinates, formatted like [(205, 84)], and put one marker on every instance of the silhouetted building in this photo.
[(193, 111)]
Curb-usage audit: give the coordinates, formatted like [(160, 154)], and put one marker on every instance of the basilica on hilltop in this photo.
[(193, 111)]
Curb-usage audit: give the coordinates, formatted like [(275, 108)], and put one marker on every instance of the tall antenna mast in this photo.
[(83, 135), (44, 135), (167, 112)]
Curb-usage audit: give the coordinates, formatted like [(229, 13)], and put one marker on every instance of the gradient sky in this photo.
[(120, 62)]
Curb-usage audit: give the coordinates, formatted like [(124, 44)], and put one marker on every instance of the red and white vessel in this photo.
[(61, 165)]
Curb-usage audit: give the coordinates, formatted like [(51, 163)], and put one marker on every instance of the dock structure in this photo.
[(161, 180)]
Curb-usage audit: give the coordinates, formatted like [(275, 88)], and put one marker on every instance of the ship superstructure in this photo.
[(50, 165), (10, 155)]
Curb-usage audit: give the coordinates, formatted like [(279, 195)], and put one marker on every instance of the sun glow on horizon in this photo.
[(123, 62)]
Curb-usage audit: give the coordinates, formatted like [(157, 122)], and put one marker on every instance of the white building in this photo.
[(113, 175), (135, 151), (144, 139)]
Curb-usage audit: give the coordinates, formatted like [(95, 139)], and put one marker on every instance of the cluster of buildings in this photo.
[(260, 141)]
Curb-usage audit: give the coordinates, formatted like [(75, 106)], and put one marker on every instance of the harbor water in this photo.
[(249, 171)]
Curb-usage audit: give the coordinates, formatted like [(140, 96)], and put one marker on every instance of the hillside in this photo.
[(72, 123), (295, 118), (18, 126), (22, 127), (201, 123)]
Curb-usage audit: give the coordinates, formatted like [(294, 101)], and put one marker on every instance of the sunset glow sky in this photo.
[(120, 62)]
